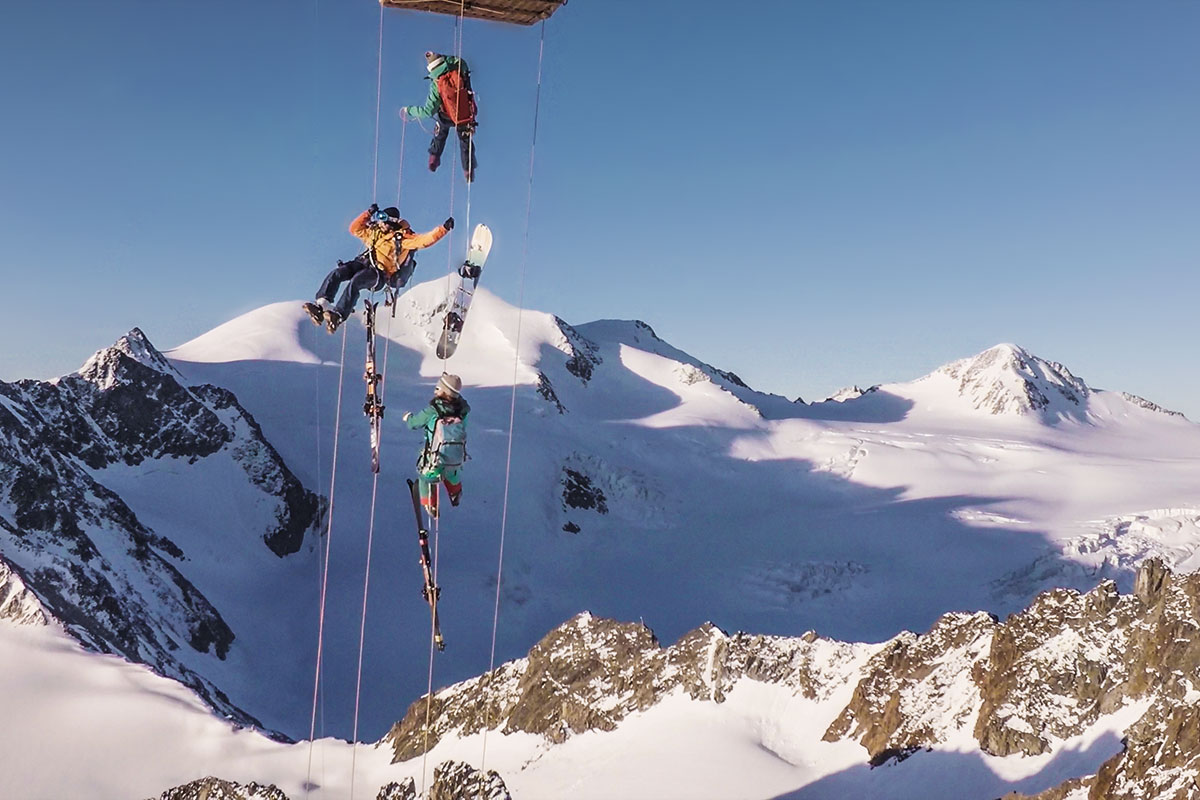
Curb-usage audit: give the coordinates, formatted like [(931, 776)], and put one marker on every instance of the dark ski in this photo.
[(372, 406), (430, 591)]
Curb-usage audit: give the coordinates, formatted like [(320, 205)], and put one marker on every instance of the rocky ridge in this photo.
[(211, 788), (1018, 686), (114, 583), (18, 605), (452, 780)]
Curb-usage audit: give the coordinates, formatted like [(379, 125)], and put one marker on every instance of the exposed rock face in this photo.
[(1007, 380), (18, 605), (1054, 669), (404, 790), (1142, 402), (454, 780), (546, 389), (590, 673), (848, 393), (917, 690), (1161, 759), (592, 484), (80, 549), (1021, 686), (583, 353), (579, 492), (1162, 755), (216, 789)]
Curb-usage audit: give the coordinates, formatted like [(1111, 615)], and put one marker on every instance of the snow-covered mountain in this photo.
[(1079, 696), (981, 707), (645, 484), (1007, 380), (79, 450)]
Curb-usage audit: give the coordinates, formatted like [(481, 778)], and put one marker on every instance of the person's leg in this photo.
[(453, 481), (429, 498), (368, 278), (441, 129), (399, 279), (466, 144), (343, 271)]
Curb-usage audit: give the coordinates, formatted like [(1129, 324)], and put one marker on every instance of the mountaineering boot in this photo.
[(315, 313), (455, 497), (332, 320), (469, 174), (434, 162)]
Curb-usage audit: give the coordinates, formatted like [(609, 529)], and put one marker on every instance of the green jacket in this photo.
[(428, 416), (433, 103)]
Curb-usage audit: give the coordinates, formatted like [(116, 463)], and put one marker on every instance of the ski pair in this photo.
[(430, 591), (373, 405)]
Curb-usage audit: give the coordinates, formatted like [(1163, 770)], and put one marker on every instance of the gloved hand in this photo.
[(407, 414), (448, 224), (404, 113), (373, 210)]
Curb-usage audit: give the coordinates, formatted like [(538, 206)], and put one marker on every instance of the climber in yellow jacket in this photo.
[(387, 262)]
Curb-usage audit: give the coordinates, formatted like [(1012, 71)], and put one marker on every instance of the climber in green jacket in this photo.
[(451, 103), (444, 422)]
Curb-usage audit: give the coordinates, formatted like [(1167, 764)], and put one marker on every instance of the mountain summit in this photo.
[(1007, 379)]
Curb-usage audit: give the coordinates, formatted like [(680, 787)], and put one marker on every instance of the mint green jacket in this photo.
[(433, 103), (427, 417)]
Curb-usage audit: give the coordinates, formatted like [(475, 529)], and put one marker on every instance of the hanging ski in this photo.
[(430, 591), (477, 253), (372, 407)]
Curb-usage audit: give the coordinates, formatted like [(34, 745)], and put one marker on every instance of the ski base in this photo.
[(460, 302), (430, 591)]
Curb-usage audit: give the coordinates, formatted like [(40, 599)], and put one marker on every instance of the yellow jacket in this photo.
[(382, 242)]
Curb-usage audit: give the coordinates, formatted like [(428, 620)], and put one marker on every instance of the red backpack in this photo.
[(458, 101)]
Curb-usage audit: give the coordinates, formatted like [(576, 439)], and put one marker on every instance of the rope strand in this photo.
[(512, 408), (434, 488), (378, 105), (362, 629), (325, 573)]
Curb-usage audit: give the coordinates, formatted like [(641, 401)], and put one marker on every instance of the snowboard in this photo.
[(468, 280)]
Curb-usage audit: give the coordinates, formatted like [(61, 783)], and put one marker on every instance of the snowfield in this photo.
[(644, 485)]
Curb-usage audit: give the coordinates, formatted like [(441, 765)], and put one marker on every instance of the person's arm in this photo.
[(433, 104), (359, 226), (421, 418), (421, 240)]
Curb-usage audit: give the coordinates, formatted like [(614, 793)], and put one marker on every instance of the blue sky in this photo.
[(811, 194)]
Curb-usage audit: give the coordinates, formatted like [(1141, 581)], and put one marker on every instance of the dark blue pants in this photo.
[(359, 276), (466, 133)]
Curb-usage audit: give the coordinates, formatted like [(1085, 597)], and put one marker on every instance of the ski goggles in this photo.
[(379, 216)]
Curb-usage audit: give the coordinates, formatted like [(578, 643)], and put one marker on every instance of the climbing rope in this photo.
[(400, 169), (512, 407), (362, 628), (434, 489), (333, 471), (325, 571), (378, 105)]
